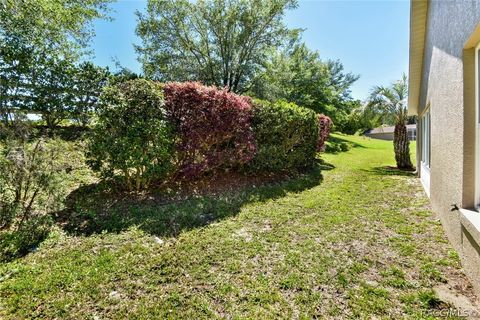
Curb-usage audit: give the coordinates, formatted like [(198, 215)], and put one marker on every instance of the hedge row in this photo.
[(286, 136), (146, 132), (213, 127), (132, 136)]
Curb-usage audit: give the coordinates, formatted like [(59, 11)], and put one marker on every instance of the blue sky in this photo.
[(370, 38)]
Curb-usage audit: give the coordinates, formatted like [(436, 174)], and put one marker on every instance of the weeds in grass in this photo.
[(346, 243)]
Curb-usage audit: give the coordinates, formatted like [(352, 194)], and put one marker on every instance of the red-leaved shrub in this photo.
[(213, 127), (324, 124)]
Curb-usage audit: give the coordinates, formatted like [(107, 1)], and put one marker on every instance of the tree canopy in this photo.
[(296, 73), (389, 103), (63, 26), (39, 41), (222, 42), (243, 45)]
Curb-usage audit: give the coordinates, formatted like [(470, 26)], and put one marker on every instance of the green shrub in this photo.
[(344, 146), (18, 241), (33, 182), (32, 179), (286, 136), (132, 138), (335, 146)]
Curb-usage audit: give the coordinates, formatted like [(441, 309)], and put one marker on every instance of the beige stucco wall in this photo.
[(446, 86)]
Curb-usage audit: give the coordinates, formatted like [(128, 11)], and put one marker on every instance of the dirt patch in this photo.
[(457, 300)]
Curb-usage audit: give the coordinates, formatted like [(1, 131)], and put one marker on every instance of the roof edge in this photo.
[(418, 25)]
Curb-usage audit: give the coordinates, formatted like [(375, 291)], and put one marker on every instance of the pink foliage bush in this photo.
[(324, 124), (213, 127)]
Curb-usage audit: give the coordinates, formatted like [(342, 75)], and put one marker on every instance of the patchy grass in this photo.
[(357, 240)]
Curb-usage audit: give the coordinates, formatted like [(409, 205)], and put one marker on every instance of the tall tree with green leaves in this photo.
[(296, 73), (217, 42), (16, 61), (35, 35), (390, 104), (60, 26), (89, 81), (52, 90)]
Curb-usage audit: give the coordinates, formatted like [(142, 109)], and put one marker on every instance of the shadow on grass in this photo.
[(323, 165), (390, 171), (93, 209), (336, 144)]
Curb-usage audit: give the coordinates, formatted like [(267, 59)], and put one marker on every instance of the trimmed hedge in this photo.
[(286, 136), (324, 126), (146, 132), (132, 136), (212, 127)]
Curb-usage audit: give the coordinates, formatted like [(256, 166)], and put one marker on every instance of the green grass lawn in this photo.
[(354, 239)]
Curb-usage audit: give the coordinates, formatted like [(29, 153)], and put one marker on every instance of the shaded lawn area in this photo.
[(356, 240)]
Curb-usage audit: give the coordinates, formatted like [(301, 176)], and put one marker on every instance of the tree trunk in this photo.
[(50, 121), (401, 145)]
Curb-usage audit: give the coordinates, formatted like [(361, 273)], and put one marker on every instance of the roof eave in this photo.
[(418, 21)]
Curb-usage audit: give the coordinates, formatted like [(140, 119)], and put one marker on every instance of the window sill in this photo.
[(425, 177), (470, 220)]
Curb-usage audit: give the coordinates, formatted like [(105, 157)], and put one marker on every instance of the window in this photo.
[(425, 160), (425, 122), (477, 126)]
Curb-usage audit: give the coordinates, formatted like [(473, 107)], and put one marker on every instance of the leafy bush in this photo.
[(286, 136), (335, 147), (324, 126), (31, 177), (32, 184), (18, 241), (213, 127), (132, 136)]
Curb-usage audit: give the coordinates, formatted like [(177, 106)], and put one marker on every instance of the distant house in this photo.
[(444, 92), (386, 133)]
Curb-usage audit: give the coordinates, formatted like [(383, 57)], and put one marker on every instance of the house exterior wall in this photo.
[(381, 136), (447, 87), (389, 135)]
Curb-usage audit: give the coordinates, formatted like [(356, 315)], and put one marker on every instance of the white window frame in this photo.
[(425, 160), (477, 127)]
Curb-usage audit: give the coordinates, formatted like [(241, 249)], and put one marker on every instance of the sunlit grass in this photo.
[(357, 240)]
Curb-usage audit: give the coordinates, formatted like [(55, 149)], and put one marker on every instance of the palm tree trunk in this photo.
[(401, 145)]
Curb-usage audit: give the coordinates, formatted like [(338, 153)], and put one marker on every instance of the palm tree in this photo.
[(390, 103)]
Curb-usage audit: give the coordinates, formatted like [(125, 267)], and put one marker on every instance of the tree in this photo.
[(58, 89), (55, 26), (390, 103), (35, 35), (89, 81), (217, 42), (296, 73), (16, 60), (52, 90), (123, 74), (358, 120)]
